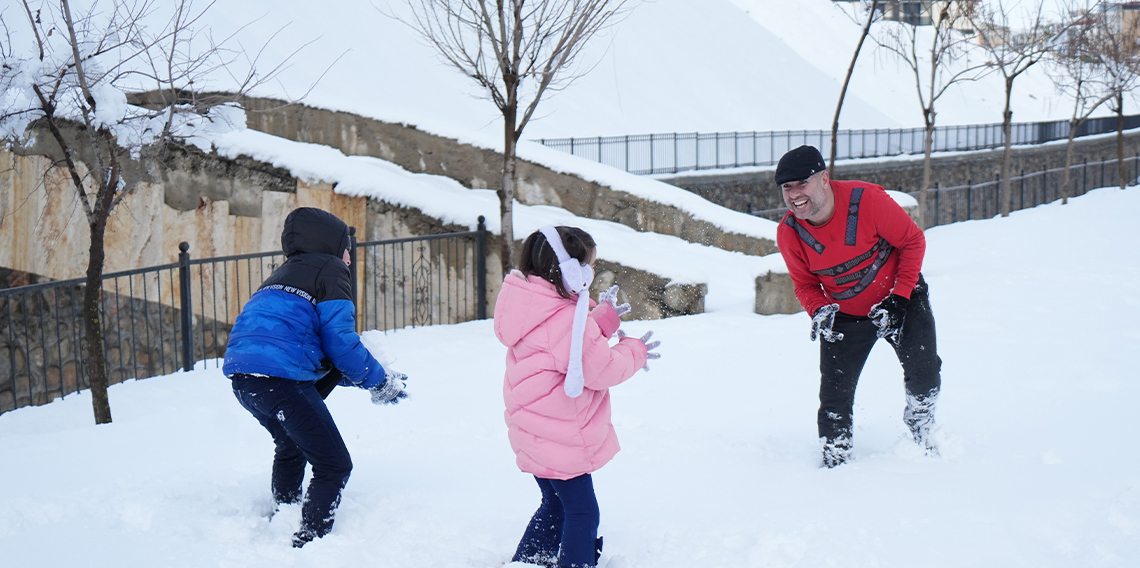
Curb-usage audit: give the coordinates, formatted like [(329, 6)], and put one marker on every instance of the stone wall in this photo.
[(753, 189), (42, 228), (418, 151)]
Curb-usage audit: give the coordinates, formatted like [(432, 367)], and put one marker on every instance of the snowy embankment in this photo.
[(730, 275), (1037, 326)]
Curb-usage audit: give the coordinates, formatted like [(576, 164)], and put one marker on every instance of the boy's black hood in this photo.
[(313, 230)]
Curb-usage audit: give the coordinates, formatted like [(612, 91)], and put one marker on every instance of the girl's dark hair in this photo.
[(537, 258)]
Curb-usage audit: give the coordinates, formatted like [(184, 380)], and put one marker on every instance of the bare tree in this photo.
[(940, 57), (873, 14), (1010, 54), (1073, 68), (517, 50), (1113, 45), (68, 73)]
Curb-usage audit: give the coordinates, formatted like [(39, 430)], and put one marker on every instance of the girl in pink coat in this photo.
[(560, 366)]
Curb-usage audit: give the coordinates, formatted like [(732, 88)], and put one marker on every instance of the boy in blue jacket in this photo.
[(294, 341)]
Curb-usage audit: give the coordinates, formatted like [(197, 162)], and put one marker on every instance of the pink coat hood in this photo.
[(555, 436)]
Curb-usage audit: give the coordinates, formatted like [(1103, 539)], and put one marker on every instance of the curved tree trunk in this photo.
[(843, 91), (1007, 152), (507, 193), (1123, 169), (1066, 183), (928, 144), (96, 362)]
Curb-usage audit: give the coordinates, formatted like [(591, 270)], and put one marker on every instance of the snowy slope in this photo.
[(823, 33), (1036, 316), (670, 66)]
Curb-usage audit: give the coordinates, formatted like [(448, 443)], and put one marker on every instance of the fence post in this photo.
[(1045, 179), (652, 169), (717, 148), (187, 314), (735, 149), (481, 268), (352, 263), (969, 199), (997, 194), (1085, 177), (1022, 190), (627, 152), (937, 201)]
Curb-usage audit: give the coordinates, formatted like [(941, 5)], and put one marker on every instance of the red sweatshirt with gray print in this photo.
[(869, 249)]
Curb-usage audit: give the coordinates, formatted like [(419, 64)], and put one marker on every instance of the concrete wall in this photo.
[(474, 167), (754, 190)]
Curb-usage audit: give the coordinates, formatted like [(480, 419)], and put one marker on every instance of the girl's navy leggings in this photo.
[(567, 520)]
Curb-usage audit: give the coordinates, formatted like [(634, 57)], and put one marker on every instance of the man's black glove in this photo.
[(889, 316), (822, 321)]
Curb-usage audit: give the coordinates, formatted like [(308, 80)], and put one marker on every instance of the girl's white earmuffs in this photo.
[(576, 278)]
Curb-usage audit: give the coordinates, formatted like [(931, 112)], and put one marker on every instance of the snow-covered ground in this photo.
[(719, 468)]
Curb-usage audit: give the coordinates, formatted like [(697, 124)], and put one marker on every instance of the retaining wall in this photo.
[(419, 151)]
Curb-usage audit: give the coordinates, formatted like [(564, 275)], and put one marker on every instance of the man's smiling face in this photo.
[(811, 199)]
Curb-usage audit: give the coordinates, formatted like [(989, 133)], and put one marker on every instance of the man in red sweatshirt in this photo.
[(854, 256)]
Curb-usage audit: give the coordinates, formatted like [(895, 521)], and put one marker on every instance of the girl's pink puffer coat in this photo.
[(555, 436)]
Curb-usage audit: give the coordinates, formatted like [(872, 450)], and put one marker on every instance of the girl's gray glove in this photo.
[(392, 390), (648, 346), (611, 297)]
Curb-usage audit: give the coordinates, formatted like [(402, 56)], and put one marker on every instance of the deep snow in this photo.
[(1036, 316)]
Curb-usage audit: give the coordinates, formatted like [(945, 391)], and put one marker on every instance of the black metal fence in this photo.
[(981, 200), (678, 152), (159, 319)]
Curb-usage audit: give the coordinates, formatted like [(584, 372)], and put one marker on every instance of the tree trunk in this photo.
[(92, 322), (1007, 153), (507, 193), (843, 91), (1066, 182), (1120, 141), (928, 144)]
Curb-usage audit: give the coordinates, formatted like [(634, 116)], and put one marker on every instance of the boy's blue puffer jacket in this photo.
[(300, 322)]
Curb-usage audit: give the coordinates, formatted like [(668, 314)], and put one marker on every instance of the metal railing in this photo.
[(946, 205), (678, 152), (159, 319)]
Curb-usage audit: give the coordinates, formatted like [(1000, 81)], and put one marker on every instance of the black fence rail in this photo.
[(160, 319), (678, 152), (981, 200)]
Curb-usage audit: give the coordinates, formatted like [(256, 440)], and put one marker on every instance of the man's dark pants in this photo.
[(295, 414), (840, 363)]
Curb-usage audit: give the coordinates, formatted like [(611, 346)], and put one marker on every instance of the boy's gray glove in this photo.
[(649, 346), (392, 390), (611, 297), (822, 322)]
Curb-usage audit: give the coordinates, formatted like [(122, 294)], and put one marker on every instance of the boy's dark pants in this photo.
[(568, 516), (303, 431), (840, 363)]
